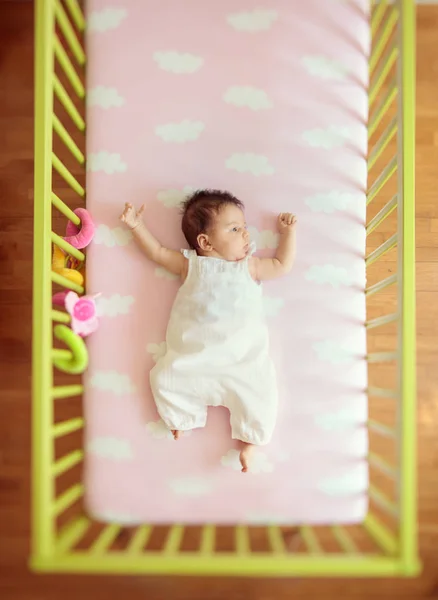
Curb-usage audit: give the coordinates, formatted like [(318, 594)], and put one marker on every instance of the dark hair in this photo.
[(199, 210)]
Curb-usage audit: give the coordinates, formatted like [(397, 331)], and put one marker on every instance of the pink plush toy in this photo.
[(83, 313), (80, 237)]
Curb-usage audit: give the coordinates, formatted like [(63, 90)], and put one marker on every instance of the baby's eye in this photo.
[(235, 229)]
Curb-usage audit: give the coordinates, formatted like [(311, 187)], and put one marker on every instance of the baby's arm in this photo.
[(171, 260), (271, 268)]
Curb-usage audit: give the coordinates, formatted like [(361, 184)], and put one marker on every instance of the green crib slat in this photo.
[(381, 429), (383, 393), (310, 540), (377, 16), (67, 176), (344, 540), (385, 175), (66, 283), (381, 321), (68, 140), (66, 391), (76, 14), (68, 248), (63, 96), (174, 538), (105, 539), (381, 250), (383, 537), (58, 353), (383, 501), (383, 107), (66, 427), (208, 537), (276, 539), (379, 357), (67, 462), (139, 539), (382, 214), (65, 210), (67, 499), (68, 68), (71, 534), (60, 317), (381, 285), (383, 37), (382, 143), (242, 539), (69, 33), (382, 465), (387, 62)]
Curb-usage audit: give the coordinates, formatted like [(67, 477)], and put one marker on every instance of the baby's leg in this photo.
[(252, 422), (245, 456), (180, 409)]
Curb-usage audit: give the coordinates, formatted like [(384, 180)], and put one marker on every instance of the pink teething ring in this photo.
[(80, 237)]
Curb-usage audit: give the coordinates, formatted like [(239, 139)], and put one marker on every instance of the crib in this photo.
[(65, 538)]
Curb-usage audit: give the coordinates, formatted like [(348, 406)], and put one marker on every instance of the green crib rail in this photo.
[(64, 539)]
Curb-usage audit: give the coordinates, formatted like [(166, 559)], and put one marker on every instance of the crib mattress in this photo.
[(267, 100)]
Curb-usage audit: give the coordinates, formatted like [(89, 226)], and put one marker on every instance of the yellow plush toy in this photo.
[(67, 266)]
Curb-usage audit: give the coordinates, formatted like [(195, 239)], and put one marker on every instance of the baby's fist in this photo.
[(131, 216), (286, 222)]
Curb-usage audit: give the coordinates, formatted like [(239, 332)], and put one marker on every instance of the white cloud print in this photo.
[(108, 162), (253, 21), (118, 236), (324, 68), (159, 430), (191, 486), (272, 306), (106, 19), (353, 482), (178, 62), (263, 239), (259, 462), (112, 381), (157, 351), (172, 197), (112, 306), (105, 97), (246, 162), (333, 352), (328, 274), (247, 96), (110, 447), (330, 202), (331, 137), (179, 133)]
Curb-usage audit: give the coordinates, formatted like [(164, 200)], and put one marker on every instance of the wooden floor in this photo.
[(16, 182)]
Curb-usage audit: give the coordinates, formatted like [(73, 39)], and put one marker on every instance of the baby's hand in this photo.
[(132, 217), (286, 222)]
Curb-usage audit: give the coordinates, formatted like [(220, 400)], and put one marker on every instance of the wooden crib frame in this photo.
[(64, 538)]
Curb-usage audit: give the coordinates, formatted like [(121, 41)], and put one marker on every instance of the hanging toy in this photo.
[(83, 313), (80, 237), (67, 266)]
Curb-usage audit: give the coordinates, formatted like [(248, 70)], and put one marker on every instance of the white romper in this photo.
[(217, 352)]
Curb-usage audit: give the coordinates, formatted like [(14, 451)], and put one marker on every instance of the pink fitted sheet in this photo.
[(268, 100)]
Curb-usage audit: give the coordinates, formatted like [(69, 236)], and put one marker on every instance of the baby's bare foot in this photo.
[(245, 456), (176, 434)]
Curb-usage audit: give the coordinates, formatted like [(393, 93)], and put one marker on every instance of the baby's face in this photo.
[(229, 236)]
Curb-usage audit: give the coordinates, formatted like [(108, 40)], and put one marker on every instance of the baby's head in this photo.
[(214, 225)]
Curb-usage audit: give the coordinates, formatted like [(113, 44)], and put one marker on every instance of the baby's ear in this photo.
[(204, 242)]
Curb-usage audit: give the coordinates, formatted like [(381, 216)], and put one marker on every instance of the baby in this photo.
[(217, 339)]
